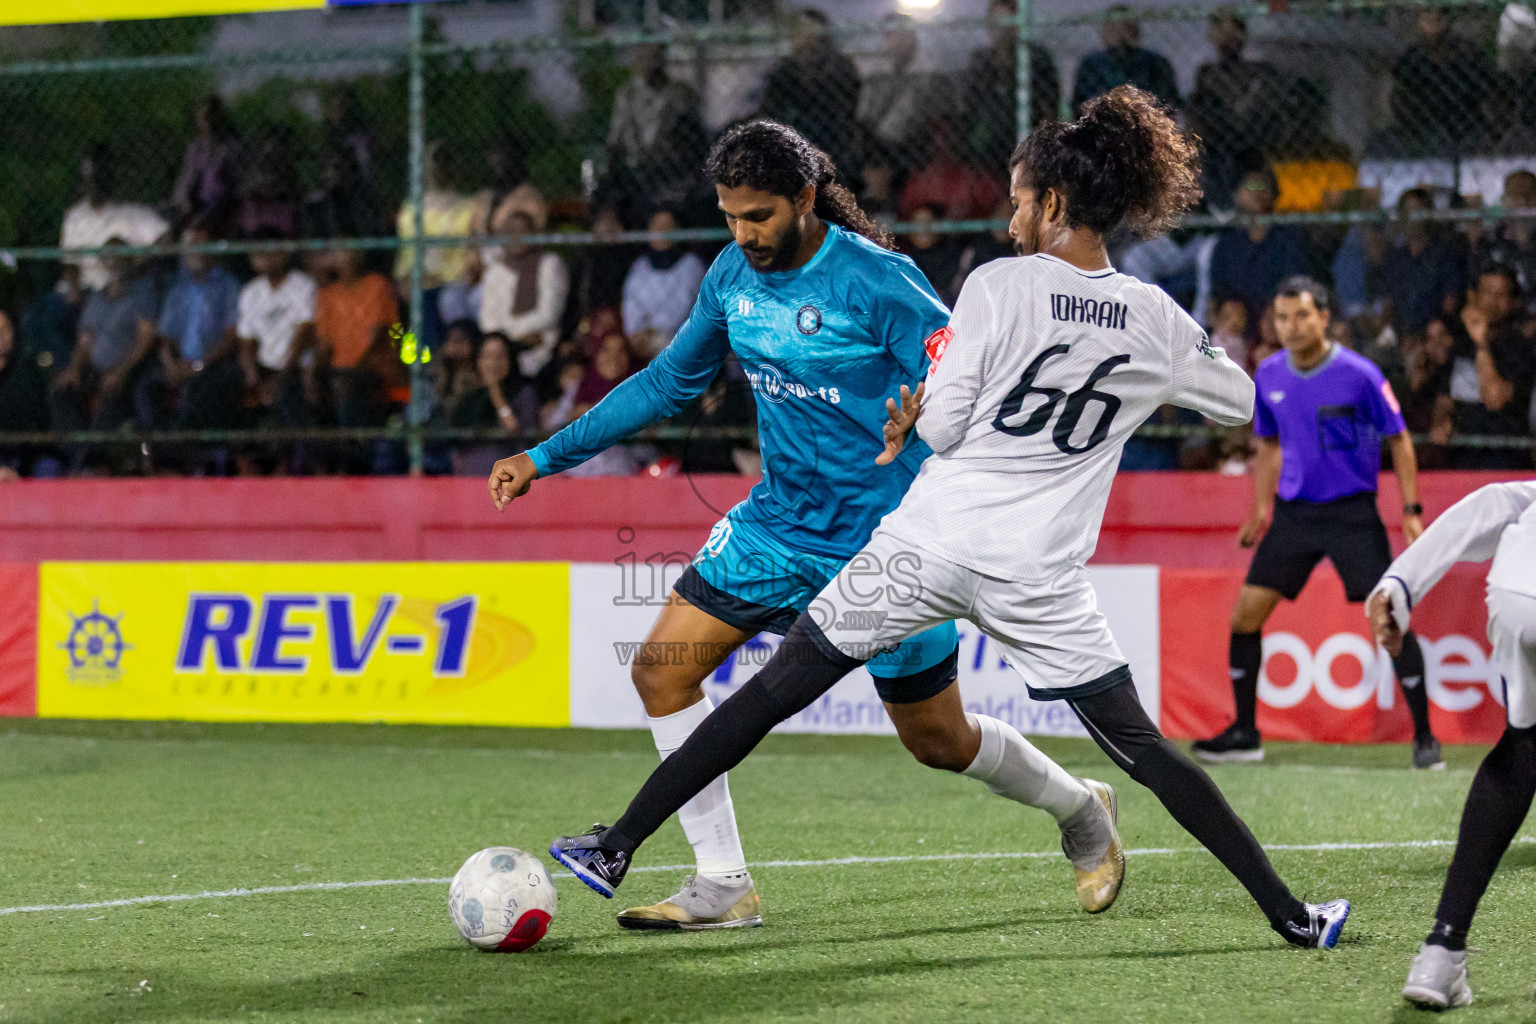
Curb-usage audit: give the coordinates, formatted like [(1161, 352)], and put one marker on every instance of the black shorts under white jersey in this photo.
[(1347, 530)]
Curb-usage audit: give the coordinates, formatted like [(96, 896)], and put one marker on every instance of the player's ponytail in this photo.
[(1124, 162), (774, 158)]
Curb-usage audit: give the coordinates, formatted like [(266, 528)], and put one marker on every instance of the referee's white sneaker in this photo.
[(1438, 979)]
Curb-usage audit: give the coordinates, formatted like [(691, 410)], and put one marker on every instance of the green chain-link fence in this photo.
[(484, 131)]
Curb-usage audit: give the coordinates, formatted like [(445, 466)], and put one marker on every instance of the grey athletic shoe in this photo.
[(702, 905), (1426, 754), (1438, 979)]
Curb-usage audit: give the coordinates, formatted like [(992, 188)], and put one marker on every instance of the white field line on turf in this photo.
[(268, 890)]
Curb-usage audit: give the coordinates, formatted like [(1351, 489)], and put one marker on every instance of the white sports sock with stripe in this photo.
[(1010, 766), (709, 819)]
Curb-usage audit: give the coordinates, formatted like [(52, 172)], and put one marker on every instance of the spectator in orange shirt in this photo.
[(354, 311)]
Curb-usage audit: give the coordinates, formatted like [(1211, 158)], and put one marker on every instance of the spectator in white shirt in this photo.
[(660, 290), (96, 218), (523, 295), (275, 306)]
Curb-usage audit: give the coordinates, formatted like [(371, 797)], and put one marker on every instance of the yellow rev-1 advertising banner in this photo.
[(480, 644)]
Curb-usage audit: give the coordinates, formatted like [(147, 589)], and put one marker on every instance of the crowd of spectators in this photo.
[(520, 337)]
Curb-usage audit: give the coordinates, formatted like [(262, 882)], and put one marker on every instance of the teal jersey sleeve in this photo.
[(680, 373), (904, 312)]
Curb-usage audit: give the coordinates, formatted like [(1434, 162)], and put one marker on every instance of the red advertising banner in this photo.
[(18, 640), (1324, 678)]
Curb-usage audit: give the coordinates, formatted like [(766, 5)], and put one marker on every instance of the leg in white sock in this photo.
[(709, 819), (1010, 766)]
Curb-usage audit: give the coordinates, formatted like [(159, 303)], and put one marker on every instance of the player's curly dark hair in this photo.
[(774, 158), (1122, 162)]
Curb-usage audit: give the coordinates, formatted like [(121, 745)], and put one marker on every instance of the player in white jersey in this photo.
[(1048, 364), (1497, 521)]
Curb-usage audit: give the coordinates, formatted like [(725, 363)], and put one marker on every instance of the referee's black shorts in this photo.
[(1348, 530)]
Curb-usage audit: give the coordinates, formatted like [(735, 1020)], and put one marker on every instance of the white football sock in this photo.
[(709, 819), (1011, 767)]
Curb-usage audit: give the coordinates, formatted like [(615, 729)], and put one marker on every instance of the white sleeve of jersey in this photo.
[(1468, 531), (1204, 379), (955, 378)]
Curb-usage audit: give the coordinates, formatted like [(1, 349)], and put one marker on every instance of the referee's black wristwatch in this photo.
[(1413, 509)]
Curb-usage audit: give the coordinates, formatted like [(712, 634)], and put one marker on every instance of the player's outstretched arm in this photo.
[(901, 417), (682, 372)]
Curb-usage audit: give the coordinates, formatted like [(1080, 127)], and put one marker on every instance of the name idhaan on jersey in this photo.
[(1100, 313)]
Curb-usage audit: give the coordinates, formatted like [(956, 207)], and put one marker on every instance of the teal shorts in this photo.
[(746, 578)]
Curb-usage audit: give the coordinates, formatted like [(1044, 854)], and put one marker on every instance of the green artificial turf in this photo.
[(94, 812)]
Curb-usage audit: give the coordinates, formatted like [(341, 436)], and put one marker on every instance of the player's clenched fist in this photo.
[(511, 478), (900, 420)]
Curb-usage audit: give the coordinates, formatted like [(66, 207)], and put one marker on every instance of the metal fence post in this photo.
[(1025, 70), (417, 414)]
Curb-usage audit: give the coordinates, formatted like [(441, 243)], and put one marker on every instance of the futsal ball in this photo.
[(502, 900)]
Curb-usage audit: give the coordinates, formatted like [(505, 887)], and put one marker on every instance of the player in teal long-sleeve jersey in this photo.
[(828, 324)]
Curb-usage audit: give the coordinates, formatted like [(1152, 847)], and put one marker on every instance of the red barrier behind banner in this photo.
[(18, 640), (1169, 519), (1324, 679)]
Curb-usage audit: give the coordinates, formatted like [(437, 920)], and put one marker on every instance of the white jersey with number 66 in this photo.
[(1033, 388)]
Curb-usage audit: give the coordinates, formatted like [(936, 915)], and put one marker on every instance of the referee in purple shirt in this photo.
[(1320, 414)]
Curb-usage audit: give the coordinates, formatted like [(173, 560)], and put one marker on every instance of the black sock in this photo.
[(1408, 666), (1195, 803), (805, 666), (1246, 654), (1497, 804), (1120, 726)]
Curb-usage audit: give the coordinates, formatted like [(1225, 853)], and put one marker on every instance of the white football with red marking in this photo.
[(502, 900)]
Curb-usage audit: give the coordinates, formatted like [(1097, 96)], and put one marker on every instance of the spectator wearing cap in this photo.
[(1492, 372), (1236, 105), (97, 217), (1421, 274), (206, 186), (989, 93), (523, 295), (815, 89), (660, 289), (897, 106), (1123, 62), (510, 190), (1250, 260)]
